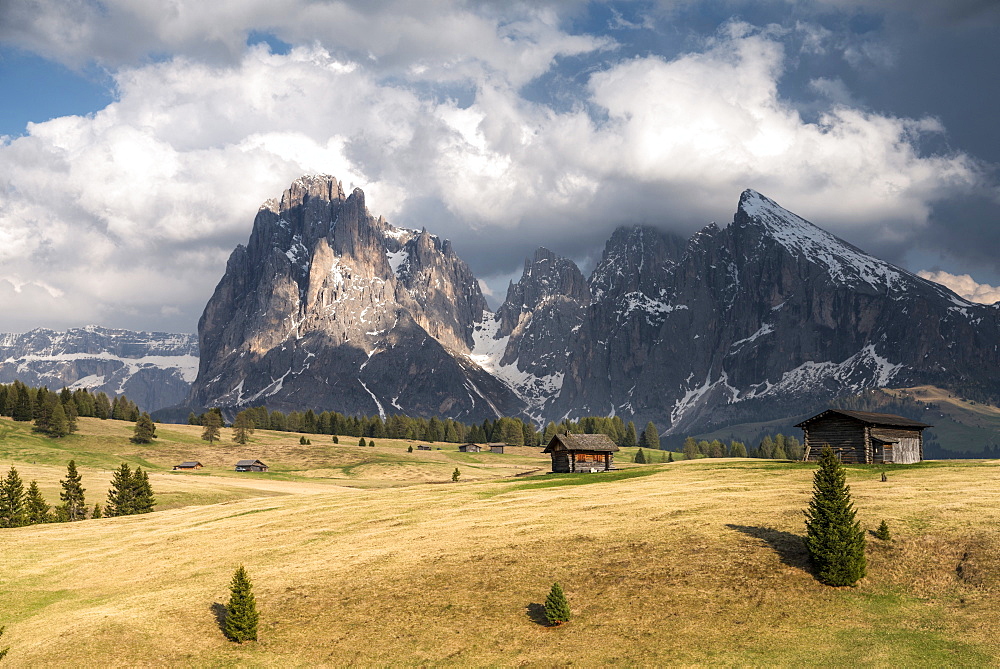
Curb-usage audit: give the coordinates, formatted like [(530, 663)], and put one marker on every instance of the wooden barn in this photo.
[(251, 466), (188, 465), (470, 448), (421, 447), (497, 448), (864, 437), (581, 453)]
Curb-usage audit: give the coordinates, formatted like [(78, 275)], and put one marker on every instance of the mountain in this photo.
[(764, 317), (154, 369), (329, 307)]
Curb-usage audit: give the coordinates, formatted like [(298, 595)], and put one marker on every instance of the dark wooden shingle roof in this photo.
[(190, 464), (247, 463), (581, 442), (870, 418)]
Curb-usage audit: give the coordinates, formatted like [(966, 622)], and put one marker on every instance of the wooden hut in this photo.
[(864, 437), (421, 447), (470, 448), (581, 453), (188, 465), (251, 466), (498, 448)]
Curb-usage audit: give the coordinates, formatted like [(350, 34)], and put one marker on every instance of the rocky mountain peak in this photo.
[(546, 276), (321, 186)]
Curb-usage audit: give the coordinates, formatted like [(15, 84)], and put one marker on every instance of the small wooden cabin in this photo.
[(251, 466), (421, 447), (581, 453), (864, 437), (188, 465), (497, 448), (470, 448)]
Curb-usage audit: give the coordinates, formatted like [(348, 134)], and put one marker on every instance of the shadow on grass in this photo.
[(219, 611), (788, 546), (536, 614)]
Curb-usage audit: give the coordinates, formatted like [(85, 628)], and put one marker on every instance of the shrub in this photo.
[(883, 532), (556, 606), (455, 474), (834, 539), (241, 611)]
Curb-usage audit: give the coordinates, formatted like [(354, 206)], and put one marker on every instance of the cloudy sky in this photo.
[(137, 139)]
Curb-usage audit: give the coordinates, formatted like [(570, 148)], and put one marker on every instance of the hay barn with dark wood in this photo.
[(581, 453), (497, 448), (470, 448), (421, 447), (864, 437), (188, 465), (251, 466)]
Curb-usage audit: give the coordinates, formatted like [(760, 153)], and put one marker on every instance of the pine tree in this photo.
[(212, 422), (96, 513), (737, 449), (834, 539), (640, 458), (121, 495), (193, 419), (455, 474), (73, 507), (145, 430), (691, 449), (35, 507), (556, 606), (58, 423), (243, 427), (3, 651), (23, 408), (362, 442), (650, 437), (142, 492), (630, 439), (336, 439), (241, 612), (883, 532), (12, 501), (670, 456)]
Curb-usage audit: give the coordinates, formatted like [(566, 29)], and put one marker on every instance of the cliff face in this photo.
[(328, 307)]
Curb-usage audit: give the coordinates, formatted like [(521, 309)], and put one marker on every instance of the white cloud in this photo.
[(964, 285), (131, 212)]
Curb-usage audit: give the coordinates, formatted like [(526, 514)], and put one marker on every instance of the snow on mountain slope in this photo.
[(155, 369), (845, 263)]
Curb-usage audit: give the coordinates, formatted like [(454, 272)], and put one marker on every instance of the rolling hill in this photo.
[(694, 562)]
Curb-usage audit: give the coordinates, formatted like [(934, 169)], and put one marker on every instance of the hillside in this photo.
[(689, 563)]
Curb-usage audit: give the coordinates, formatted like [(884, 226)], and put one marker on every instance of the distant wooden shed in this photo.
[(581, 453), (251, 466), (470, 448), (421, 447), (498, 448), (188, 465), (864, 437)]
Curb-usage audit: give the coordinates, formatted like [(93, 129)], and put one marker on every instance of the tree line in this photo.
[(778, 447), (55, 413), (507, 430), (130, 493)]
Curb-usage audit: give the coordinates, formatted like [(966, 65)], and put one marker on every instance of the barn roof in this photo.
[(582, 442), (869, 418), (190, 464), (247, 463)]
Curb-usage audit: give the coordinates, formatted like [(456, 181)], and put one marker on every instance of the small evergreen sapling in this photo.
[(3, 651), (363, 443), (145, 430), (640, 457), (336, 439), (834, 539), (409, 449), (37, 509), (883, 532), (455, 474), (241, 611), (556, 606)]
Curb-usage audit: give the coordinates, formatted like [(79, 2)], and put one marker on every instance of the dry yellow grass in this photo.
[(699, 563)]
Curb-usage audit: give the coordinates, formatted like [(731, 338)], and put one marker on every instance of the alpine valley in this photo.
[(332, 308)]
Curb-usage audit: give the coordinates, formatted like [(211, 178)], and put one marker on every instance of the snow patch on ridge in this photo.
[(844, 262)]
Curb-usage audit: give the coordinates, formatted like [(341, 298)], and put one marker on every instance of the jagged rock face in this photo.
[(154, 369), (769, 312), (328, 307)]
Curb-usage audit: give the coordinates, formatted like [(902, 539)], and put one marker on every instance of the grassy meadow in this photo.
[(373, 556)]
